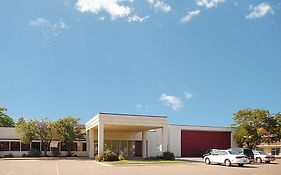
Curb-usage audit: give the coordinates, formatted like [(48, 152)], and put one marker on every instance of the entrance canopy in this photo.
[(111, 125)]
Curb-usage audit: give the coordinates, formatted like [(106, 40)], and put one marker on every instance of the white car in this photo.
[(226, 157), (260, 157)]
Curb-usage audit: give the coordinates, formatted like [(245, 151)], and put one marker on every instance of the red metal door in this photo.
[(195, 143)]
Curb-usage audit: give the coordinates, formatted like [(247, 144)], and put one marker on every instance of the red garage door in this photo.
[(194, 143)]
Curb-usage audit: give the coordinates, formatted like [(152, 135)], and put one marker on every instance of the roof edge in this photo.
[(203, 126), (135, 115)]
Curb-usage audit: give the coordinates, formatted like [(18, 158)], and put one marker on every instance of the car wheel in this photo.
[(207, 161), (227, 162), (259, 160), (267, 161), (240, 164)]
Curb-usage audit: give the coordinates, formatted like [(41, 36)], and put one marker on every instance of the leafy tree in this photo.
[(26, 130), (255, 126), (42, 130), (45, 132), (68, 130), (5, 120)]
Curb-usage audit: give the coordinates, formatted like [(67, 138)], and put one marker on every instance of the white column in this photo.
[(144, 138), (165, 138), (100, 137), (90, 143)]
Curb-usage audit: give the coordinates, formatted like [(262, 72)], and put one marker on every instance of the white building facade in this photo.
[(134, 136)]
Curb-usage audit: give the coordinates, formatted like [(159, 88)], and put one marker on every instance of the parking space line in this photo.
[(57, 169)]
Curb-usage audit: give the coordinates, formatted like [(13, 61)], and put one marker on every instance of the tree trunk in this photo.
[(68, 148), (45, 148)]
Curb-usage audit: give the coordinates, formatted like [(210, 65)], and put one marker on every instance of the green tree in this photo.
[(5, 119), (45, 132), (26, 130), (42, 130), (255, 126), (68, 130)]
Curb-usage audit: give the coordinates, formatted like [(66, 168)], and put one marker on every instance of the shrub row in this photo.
[(165, 156), (109, 155), (36, 153)]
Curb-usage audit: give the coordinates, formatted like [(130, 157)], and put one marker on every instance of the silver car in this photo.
[(226, 157), (260, 157)]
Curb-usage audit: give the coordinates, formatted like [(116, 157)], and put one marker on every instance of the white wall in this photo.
[(154, 139)]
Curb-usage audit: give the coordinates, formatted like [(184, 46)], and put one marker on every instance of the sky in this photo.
[(195, 61)]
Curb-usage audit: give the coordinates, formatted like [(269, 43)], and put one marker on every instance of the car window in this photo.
[(235, 151), (215, 153)]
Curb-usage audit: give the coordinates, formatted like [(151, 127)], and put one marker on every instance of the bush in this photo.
[(23, 155), (165, 156), (9, 156), (70, 154), (154, 158), (168, 156), (107, 155), (56, 152), (121, 156), (34, 153), (98, 158)]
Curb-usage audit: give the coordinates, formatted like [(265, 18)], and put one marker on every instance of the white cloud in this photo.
[(189, 16), (173, 101), (49, 29), (159, 5), (137, 18), (208, 3), (235, 3), (259, 11), (112, 7), (39, 22), (142, 107), (101, 18), (188, 95)]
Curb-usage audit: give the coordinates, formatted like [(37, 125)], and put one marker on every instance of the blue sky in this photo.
[(196, 61)]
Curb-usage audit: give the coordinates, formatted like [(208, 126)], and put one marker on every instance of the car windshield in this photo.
[(236, 151), (261, 152)]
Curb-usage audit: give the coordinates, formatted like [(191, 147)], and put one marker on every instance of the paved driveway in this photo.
[(89, 167)]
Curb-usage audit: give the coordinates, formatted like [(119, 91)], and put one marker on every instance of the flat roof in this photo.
[(136, 115), (202, 126)]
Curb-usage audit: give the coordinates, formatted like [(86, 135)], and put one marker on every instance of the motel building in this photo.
[(133, 135)]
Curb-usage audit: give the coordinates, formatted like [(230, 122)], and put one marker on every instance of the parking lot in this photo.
[(90, 167)]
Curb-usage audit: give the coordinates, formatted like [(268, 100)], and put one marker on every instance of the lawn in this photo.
[(145, 162)]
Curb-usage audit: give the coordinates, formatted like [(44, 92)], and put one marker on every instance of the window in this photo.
[(259, 149), (42, 147), (35, 146), (64, 148), (221, 153), (25, 147), (84, 147), (4, 146), (275, 151), (15, 146)]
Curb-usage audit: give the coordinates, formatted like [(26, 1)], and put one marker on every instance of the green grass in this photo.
[(145, 162)]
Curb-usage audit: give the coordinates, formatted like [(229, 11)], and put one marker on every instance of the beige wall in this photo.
[(8, 133)]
